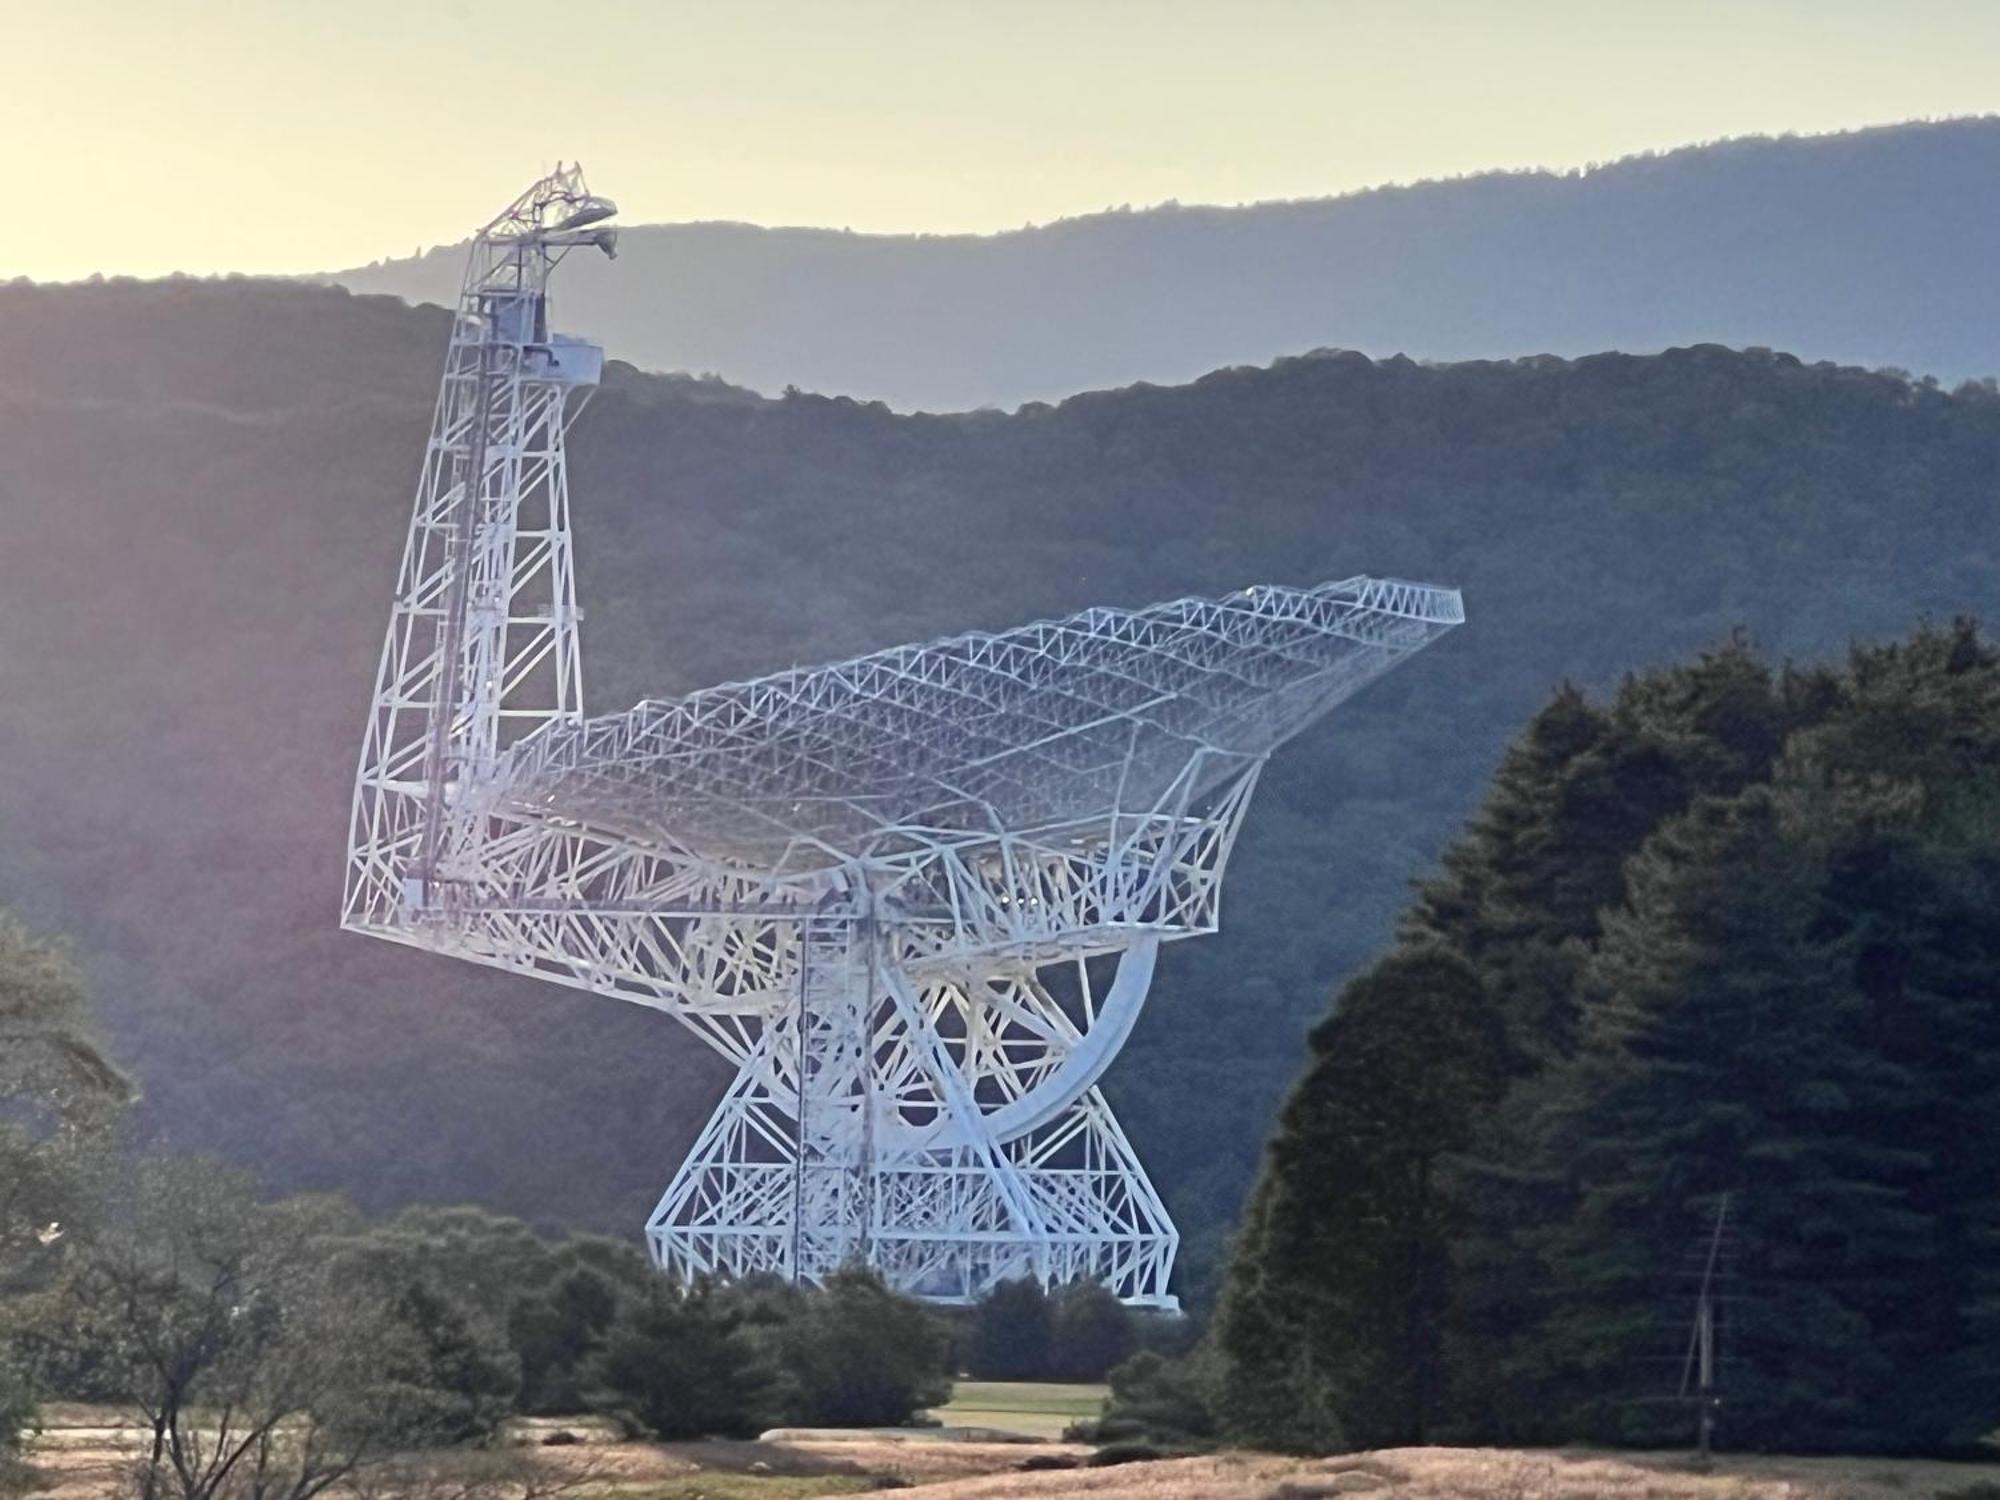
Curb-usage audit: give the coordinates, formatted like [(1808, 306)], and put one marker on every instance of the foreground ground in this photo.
[(1486, 1474), (86, 1452)]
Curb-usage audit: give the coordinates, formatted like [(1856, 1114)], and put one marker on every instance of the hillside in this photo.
[(204, 493), (1870, 248)]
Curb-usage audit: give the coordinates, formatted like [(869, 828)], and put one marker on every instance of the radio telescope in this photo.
[(915, 898)]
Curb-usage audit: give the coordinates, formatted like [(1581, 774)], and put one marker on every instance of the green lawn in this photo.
[(1036, 1408)]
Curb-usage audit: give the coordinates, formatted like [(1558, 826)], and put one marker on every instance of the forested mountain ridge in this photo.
[(1870, 247), (205, 486)]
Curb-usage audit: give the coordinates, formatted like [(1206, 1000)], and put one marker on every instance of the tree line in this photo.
[(1716, 968)]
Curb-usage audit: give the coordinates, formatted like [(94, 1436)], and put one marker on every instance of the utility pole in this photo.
[(1698, 1373)]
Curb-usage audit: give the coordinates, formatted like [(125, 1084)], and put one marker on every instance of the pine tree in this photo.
[(1012, 1332), (860, 1355), (1329, 1328), (1582, 788), (1725, 1053), (554, 1330), (677, 1364), (1517, 888), (453, 1379), (1091, 1333), (1908, 778)]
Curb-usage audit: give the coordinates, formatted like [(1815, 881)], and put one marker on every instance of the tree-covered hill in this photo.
[(1871, 246), (203, 489)]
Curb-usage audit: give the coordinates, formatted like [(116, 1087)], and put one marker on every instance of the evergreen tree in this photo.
[(554, 1331), (1575, 796), (1725, 1054), (1092, 1331), (453, 1378), (1330, 1325), (555, 1327), (858, 1354), (1908, 781), (678, 1365), (1011, 1334), (1168, 1400)]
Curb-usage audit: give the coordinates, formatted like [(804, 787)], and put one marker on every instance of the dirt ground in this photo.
[(86, 1454), (1482, 1474)]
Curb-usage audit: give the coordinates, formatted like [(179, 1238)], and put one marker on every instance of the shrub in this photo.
[(1169, 1399), (17, 1417), (1012, 1333), (677, 1364), (1042, 1461), (1125, 1453), (453, 1379), (1092, 1332), (859, 1355)]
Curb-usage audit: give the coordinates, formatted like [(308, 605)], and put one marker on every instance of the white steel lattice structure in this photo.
[(915, 898)]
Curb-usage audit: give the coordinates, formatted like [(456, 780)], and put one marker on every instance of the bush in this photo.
[(859, 1355), (17, 1418), (1104, 1430), (1012, 1333), (1125, 1453), (677, 1364), (453, 1380), (1168, 1399), (1092, 1333)]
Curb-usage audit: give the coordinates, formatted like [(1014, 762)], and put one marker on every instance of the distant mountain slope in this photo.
[(203, 490), (1873, 248)]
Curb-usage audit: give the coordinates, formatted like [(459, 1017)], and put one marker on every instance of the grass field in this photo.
[(1033, 1408)]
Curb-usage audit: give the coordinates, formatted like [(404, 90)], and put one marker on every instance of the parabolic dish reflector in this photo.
[(1052, 724)]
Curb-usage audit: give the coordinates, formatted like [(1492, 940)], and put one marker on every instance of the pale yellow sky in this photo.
[(269, 135)]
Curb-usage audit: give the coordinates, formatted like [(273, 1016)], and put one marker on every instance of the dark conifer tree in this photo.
[(1725, 1053), (1909, 777), (1330, 1325), (860, 1355), (1582, 788), (1091, 1331), (678, 1364), (1011, 1334)]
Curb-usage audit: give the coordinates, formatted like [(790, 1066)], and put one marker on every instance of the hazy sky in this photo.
[(267, 135)]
